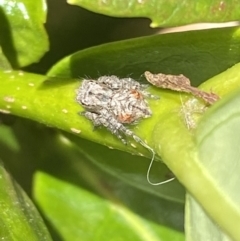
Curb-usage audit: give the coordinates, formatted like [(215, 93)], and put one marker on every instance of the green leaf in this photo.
[(217, 141), (23, 37), (19, 220), (77, 213), (164, 12), (199, 226), (4, 64), (39, 98), (198, 55), (8, 139), (208, 155)]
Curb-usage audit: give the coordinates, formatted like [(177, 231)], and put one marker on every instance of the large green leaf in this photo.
[(19, 220), (197, 54), (22, 34), (164, 12), (217, 141), (76, 214), (204, 160)]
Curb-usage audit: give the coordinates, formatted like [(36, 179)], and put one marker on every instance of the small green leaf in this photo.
[(8, 139), (23, 37), (19, 219), (4, 64), (164, 12), (76, 213)]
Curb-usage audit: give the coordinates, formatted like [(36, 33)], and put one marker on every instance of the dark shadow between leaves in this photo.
[(6, 40)]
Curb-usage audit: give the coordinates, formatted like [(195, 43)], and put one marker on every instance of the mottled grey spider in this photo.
[(113, 102)]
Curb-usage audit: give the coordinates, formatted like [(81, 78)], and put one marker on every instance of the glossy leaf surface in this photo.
[(23, 37), (199, 55), (164, 12)]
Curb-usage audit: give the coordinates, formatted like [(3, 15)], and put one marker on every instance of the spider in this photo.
[(113, 102)]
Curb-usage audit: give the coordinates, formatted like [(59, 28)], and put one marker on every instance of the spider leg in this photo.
[(112, 124), (128, 132), (107, 120), (94, 117)]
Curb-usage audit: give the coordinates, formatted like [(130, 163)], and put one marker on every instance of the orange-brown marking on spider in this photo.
[(137, 94), (125, 118)]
